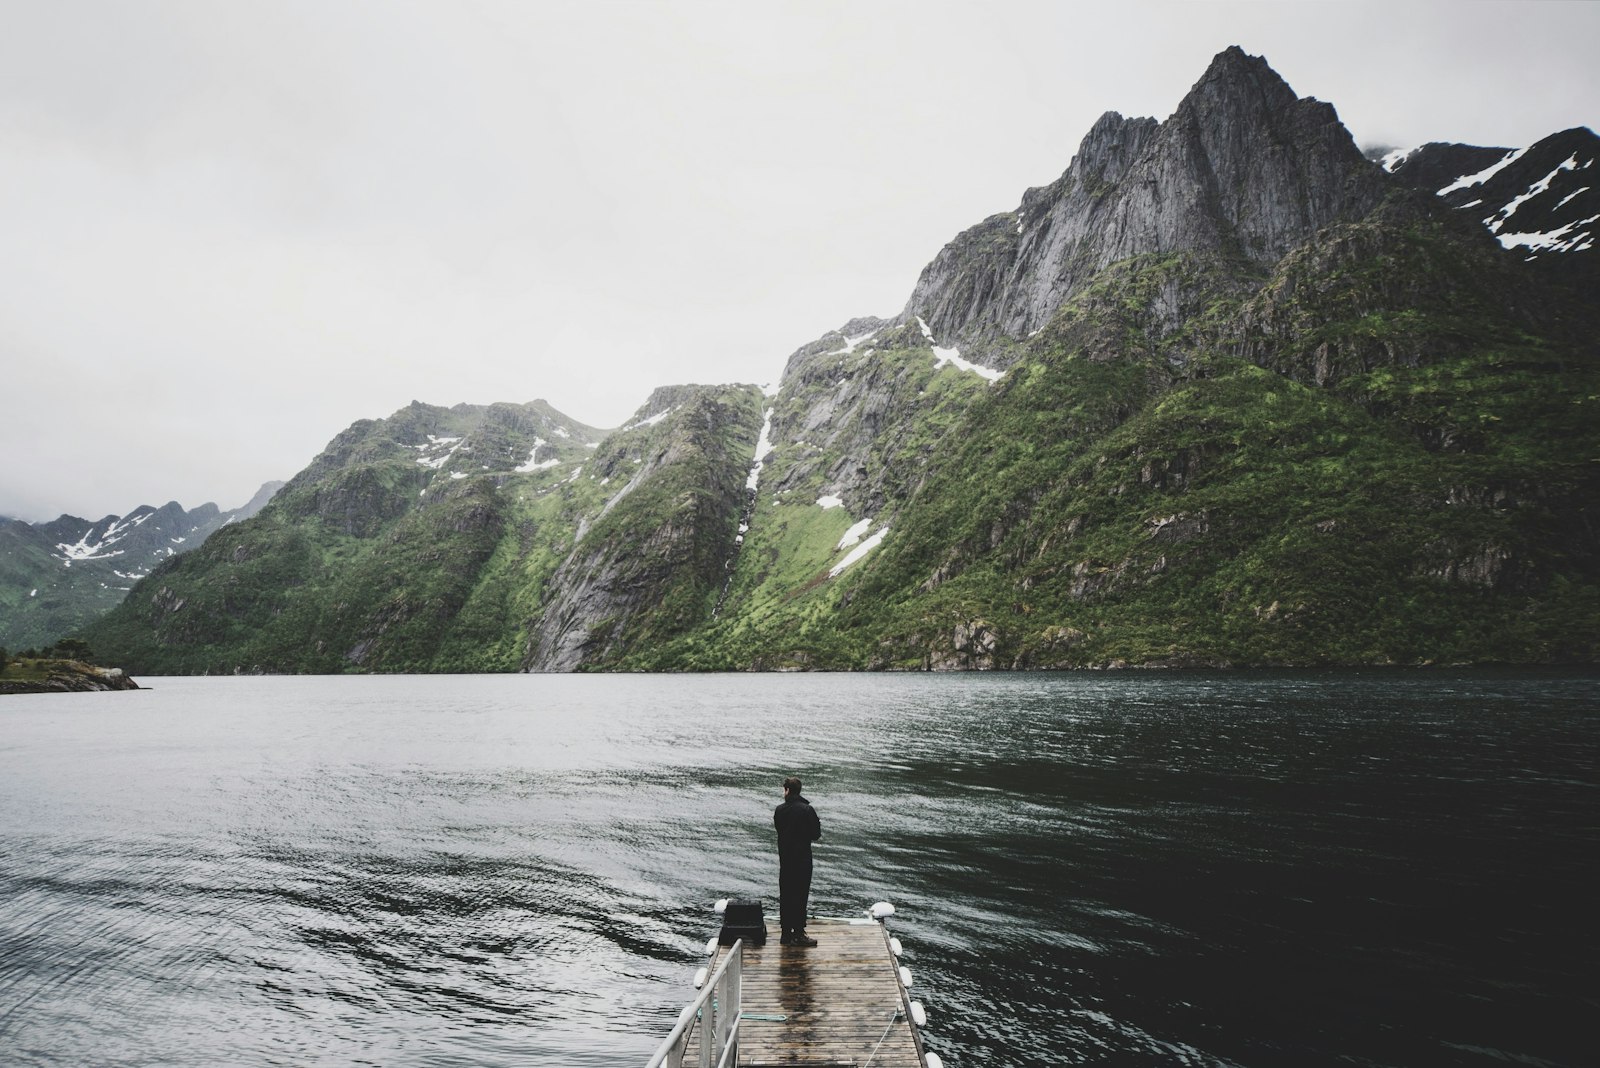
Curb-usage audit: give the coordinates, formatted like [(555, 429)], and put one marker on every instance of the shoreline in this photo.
[(62, 676)]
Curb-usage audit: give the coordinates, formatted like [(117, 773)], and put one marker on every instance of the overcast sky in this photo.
[(230, 229)]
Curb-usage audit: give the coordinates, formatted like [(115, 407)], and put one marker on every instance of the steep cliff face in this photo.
[(1262, 403), (649, 563), (1392, 472), (1241, 172), (858, 411)]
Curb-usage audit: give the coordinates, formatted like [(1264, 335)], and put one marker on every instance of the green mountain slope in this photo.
[(436, 539), (1413, 476), (57, 577), (1226, 393)]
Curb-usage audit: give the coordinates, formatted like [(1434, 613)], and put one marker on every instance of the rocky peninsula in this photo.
[(62, 676)]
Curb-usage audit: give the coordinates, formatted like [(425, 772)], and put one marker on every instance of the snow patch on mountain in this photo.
[(440, 448), (1467, 181), (649, 420), (1570, 236), (533, 462), (953, 356), (850, 344), (858, 552), (1393, 159), (1498, 219), (763, 446), (92, 547), (1561, 239), (853, 535)]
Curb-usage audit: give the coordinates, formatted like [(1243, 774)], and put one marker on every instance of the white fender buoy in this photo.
[(895, 947), (933, 1060), (711, 947), (905, 977), (700, 978), (919, 1015), (881, 910), (721, 906)]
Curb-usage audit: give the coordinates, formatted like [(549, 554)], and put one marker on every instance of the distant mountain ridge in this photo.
[(57, 576), (1225, 393)]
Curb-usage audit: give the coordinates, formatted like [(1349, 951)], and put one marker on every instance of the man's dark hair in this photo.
[(791, 786)]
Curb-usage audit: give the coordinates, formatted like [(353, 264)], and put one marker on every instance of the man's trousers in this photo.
[(794, 888)]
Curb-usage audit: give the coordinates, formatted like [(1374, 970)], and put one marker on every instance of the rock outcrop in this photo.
[(649, 563), (1242, 171), (67, 676)]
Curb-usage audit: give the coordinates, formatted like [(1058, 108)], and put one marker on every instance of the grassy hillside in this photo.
[(373, 559), (1384, 451), (440, 539), (1373, 456)]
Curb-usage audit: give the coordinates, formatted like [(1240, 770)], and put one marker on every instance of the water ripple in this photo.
[(1173, 869)]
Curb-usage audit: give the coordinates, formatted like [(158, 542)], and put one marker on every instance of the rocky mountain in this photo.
[(652, 550), (473, 538), (55, 577), (1541, 202), (1242, 172), (1226, 392)]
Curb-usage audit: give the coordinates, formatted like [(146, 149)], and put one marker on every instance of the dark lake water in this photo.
[(1382, 868)]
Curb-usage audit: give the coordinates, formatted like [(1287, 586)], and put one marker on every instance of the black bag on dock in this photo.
[(743, 919)]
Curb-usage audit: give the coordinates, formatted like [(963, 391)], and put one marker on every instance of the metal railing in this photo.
[(717, 1010)]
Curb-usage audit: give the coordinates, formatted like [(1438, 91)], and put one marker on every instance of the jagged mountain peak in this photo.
[(1111, 146), (1236, 81), (1242, 169), (1251, 125), (846, 339), (463, 439), (663, 400)]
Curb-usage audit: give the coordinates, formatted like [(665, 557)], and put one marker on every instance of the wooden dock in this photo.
[(840, 1002)]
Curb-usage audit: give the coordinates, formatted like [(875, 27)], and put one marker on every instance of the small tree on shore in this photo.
[(72, 649)]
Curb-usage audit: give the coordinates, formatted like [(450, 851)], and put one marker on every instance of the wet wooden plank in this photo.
[(836, 1003)]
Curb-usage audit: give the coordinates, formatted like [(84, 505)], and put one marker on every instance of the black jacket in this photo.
[(797, 826)]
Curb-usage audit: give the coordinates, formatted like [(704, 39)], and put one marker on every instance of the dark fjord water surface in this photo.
[(1385, 868)]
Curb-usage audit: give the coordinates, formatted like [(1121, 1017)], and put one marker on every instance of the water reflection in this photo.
[(1252, 869)]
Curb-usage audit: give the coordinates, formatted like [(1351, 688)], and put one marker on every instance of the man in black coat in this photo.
[(798, 827)]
